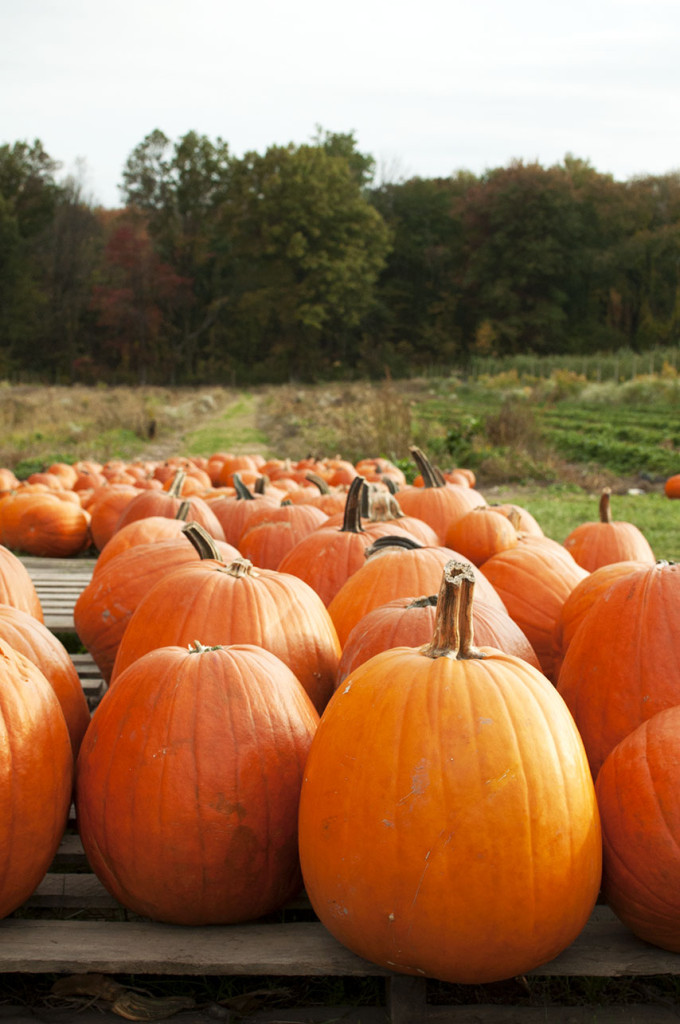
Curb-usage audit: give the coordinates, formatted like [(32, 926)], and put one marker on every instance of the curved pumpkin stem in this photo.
[(393, 541), (453, 630), (605, 505), (319, 482), (206, 548), (351, 522), (241, 490), (431, 476)]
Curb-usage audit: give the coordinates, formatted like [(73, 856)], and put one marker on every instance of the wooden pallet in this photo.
[(59, 583), (71, 925)]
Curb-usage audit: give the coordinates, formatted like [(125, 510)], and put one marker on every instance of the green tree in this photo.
[(526, 260), (180, 187), (306, 248), (28, 197), (418, 294)]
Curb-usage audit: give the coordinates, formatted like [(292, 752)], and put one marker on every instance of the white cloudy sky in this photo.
[(428, 86)]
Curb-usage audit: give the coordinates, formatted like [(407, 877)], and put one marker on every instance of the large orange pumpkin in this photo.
[(448, 822), (188, 783), (235, 602), (395, 567), (534, 579), (32, 638), (36, 777), (637, 791), (621, 666)]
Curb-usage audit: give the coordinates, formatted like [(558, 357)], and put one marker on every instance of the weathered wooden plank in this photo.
[(38, 947), (83, 891), (605, 948)]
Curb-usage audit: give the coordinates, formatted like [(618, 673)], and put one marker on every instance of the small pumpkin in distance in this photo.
[(608, 540)]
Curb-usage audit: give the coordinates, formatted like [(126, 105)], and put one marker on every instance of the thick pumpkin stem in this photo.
[(351, 522), (384, 507), (241, 490), (431, 476), (605, 506), (453, 630), (206, 548)]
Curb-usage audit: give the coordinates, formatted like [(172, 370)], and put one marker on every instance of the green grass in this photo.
[(559, 509)]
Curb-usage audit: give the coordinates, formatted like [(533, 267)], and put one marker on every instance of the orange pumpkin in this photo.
[(33, 639), (637, 791), (212, 741), (601, 543), (621, 666), (36, 777), (448, 821), (235, 602), (439, 503)]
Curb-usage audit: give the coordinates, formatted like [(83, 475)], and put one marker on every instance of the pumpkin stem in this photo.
[(431, 476), (392, 541), (197, 647), (351, 522), (241, 490), (206, 548), (183, 510), (453, 630), (319, 482), (175, 488), (384, 507), (605, 505)]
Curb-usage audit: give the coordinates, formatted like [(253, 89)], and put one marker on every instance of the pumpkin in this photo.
[(33, 639), (41, 524), (534, 579), (580, 600), (621, 666), (637, 791), (234, 511), (275, 531), (36, 777), (105, 509), (671, 487), (235, 602), (105, 606), (167, 503), (409, 622), (437, 502), (448, 821), (16, 585), (394, 567), (481, 533), (330, 554), (601, 543), (188, 782)]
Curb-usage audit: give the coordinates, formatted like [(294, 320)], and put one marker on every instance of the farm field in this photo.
[(549, 444)]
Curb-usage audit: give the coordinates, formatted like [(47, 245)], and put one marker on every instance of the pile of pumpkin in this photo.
[(408, 700)]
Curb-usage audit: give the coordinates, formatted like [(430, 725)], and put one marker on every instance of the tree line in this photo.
[(294, 264)]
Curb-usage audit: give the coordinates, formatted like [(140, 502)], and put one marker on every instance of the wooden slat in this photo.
[(605, 948), (59, 583)]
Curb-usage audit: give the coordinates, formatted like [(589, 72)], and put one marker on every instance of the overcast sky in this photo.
[(428, 87)]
